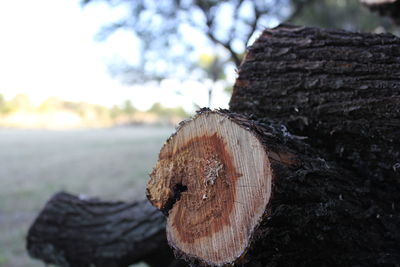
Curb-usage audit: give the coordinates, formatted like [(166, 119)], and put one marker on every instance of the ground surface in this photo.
[(108, 163)]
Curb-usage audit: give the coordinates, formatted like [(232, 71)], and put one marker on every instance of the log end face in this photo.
[(177, 169), (213, 179)]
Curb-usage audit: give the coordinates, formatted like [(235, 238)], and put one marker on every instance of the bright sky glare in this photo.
[(47, 48)]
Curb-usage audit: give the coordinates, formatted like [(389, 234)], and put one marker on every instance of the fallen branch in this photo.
[(78, 232)]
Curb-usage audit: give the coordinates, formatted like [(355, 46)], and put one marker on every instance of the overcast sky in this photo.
[(47, 48)]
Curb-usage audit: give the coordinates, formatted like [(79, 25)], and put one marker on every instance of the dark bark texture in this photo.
[(76, 232), (319, 214), (386, 8), (339, 89)]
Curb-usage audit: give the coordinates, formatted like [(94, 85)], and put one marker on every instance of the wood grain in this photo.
[(249, 193), (226, 171)]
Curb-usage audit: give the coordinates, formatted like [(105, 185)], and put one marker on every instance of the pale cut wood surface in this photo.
[(228, 178), (316, 213)]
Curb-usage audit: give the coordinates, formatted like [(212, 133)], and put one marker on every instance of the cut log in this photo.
[(340, 89), (240, 192), (71, 231), (198, 166), (390, 8)]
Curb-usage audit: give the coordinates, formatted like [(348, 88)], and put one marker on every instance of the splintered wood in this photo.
[(213, 178)]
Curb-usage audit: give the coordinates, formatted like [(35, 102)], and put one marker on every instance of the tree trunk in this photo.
[(241, 192), (390, 8), (340, 89), (71, 231)]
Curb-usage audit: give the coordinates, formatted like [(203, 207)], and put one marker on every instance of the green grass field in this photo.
[(112, 164)]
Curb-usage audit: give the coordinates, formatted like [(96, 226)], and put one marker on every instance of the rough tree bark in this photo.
[(252, 193), (241, 192), (390, 8), (71, 231), (340, 89)]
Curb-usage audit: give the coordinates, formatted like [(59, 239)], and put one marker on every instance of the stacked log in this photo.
[(247, 193), (303, 170), (79, 232), (339, 89), (326, 96)]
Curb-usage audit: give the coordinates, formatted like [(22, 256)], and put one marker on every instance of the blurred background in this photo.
[(89, 90)]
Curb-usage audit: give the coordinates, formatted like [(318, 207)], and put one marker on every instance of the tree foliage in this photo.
[(171, 30), (162, 111), (173, 33), (3, 105), (89, 114), (342, 14)]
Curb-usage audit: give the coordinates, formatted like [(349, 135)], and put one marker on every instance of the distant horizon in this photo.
[(55, 113), (46, 53), (36, 102)]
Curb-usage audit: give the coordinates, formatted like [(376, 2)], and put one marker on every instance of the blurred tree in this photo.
[(128, 109), (173, 33), (156, 108), (115, 112), (390, 8), (51, 104), (170, 30), (20, 102), (213, 69), (3, 105), (343, 14), (162, 111)]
